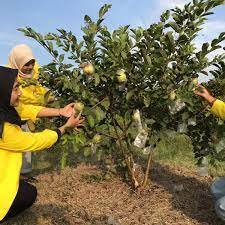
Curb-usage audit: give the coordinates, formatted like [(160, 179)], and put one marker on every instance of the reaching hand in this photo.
[(203, 92), (75, 121), (67, 111)]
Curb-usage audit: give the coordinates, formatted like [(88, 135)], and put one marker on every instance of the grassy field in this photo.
[(178, 151)]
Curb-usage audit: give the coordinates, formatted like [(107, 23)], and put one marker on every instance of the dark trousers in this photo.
[(25, 197)]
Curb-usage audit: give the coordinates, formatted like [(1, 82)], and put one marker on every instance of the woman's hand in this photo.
[(203, 92), (67, 111), (75, 121)]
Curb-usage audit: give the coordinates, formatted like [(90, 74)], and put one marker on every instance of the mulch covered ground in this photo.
[(176, 196)]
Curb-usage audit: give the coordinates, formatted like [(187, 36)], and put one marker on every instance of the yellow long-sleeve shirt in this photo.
[(13, 142), (218, 109), (27, 112)]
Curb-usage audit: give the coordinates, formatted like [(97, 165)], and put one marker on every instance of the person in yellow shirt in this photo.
[(17, 195), (21, 58), (218, 186)]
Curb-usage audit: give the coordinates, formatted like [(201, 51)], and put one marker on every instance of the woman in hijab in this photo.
[(17, 195), (21, 58)]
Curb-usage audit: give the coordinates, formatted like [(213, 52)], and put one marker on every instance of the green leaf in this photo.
[(87, 19), (97, 79), (221, 36), (170, 40), (183, 38), (216, 47), (104, 9), (165, 16), (205, 47), (59, 43), (49, 36), (87, 151), (124, 55), (129, 95), (64, 140), (99, 21), (99, 114), (61, 58), (106, 104), (214, 42), (123, 38), (207, 13), (62, 31), (84, 94), (76, 149), (173, 25), (22, 30), (91, 121), (50, 45), (195, 2), (102, 128), (146, 101), (148, 59)]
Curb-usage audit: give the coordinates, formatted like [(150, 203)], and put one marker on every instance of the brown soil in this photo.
[(67, 199)]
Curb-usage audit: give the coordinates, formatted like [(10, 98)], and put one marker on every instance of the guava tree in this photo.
[(133, 83)]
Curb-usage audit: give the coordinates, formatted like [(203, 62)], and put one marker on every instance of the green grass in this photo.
[(178, 151), (175, 150)]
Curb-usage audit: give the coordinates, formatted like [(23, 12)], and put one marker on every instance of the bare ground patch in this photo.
[(176, 196)]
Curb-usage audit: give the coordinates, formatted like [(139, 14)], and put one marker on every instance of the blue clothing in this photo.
[(218, 192)]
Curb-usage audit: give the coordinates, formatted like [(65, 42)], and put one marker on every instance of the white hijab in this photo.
[(19, 56)]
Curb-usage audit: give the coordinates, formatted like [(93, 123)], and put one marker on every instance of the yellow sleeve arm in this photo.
[(14, 139), (28, 112), (218, 109)]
